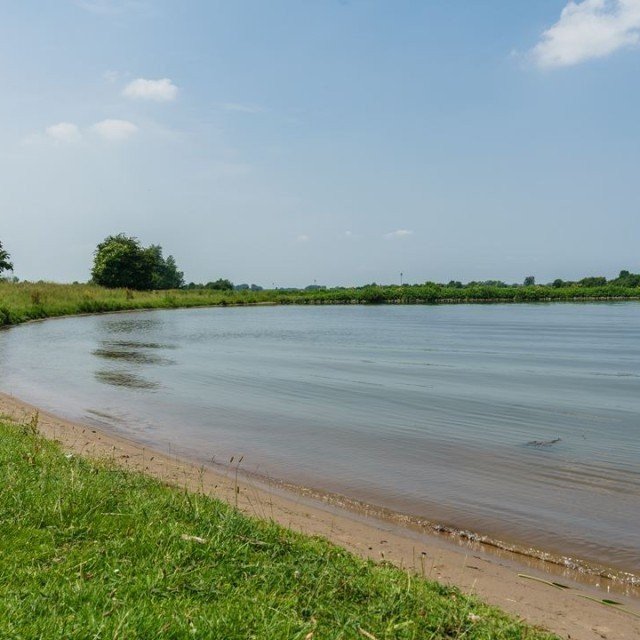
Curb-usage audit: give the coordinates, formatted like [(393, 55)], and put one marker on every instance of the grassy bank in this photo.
[(93, 551), (20, 302)]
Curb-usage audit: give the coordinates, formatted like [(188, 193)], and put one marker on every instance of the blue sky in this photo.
[(338, 141)]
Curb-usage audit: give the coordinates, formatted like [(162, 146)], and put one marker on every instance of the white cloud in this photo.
[(398, 233), (162, 90), (348, 234), (64, 132), (114, 130), (242, 108), (588, 29), (303, 238)]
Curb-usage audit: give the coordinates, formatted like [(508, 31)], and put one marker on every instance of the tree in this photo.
[(5, 264), (593, 281), (628, 279), (529, 281), (165, 271), (120, 261), (220, 285)]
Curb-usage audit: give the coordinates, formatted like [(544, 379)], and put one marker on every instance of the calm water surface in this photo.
[(427, 410)]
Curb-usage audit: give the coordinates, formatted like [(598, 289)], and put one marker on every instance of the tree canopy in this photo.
[(5, 263), (165, 270), (121, 261)]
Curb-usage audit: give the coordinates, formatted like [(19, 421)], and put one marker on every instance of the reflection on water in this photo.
[(131, 344), (125, 379), (521, 422), (132, 356), (126, 356)]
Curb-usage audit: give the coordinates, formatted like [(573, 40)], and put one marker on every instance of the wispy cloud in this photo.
[(398, 233), (303, 237), (64, 132), (587, 30), (114, 130), (162, 90), (242, 108)]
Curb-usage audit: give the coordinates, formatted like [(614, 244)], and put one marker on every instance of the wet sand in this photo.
[(492, 577)]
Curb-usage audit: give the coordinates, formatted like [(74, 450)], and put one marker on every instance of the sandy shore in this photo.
[(492, 577)]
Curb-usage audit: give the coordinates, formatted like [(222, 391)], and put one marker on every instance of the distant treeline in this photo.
[(431, 292), (454, 289), (222, 285)]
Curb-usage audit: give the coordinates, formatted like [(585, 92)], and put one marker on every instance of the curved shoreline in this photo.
[(495, 578), (36, 310), (590, 573)]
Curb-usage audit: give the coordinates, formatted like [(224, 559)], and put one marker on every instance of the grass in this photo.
[(89, 550), (20, 302)]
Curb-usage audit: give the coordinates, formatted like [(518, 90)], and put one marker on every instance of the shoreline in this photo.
[(556, 564), (223, 304), (493, 577)]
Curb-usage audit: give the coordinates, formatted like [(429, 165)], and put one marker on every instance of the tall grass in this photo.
[(89, 550), (20, 302)]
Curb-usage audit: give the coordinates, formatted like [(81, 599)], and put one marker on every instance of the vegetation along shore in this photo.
[(101, 551), (24, 301)]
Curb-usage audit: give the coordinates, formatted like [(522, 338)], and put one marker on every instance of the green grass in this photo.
[(89, 550), (20, 302)]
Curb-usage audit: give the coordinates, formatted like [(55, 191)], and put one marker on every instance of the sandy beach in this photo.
[(493, 578)]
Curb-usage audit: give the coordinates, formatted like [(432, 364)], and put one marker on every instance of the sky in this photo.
[(341, 142)]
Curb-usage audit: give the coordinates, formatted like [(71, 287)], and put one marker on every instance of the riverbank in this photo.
[(496, 581), (22, 302)]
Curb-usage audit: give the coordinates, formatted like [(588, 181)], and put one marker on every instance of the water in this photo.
[(426, 410)]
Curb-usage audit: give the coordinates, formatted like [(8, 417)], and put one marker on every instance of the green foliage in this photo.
[(529, 281), (165, 273), (220, 285), (121, 261), (626, 279), (93, 551), (5, 260), (24, 301), (597, 281)]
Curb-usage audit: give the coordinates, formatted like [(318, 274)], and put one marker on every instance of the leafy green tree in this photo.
[(628, 279), (121, 261), (529, 281), (593, 281), (5, 263), (558, 283), (165, 271), (220, 285)]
